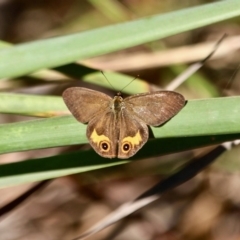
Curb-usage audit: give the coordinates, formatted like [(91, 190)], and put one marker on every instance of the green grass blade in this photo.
[(83, 161), (33, 105), (51, 167), (29, 57), (48, 106), (111, 9), (217, 116)]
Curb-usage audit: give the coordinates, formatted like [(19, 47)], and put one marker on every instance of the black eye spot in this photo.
[(105, 146), (126, 147)]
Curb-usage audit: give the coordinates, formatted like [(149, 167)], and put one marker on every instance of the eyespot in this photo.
[(126, 147), (105, 146)]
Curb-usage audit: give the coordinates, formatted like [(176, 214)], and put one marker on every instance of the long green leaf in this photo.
[(33, 105), (29, 57), (198, 118), (83, 161), (47, 106)]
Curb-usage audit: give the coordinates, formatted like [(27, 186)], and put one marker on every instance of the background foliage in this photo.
[(48, 46)]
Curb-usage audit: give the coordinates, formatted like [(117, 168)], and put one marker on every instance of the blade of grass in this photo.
[(119, 81), (199, 117), (111, 9), (26, 58), (83, 161), (33, 105), (48, 106)]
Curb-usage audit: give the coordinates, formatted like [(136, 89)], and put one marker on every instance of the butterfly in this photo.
[(118, 127)]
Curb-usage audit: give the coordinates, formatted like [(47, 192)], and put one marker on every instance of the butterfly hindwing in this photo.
[(133, 134), (102, 133)]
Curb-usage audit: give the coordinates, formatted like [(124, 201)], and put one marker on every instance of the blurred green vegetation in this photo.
[(48, 46)]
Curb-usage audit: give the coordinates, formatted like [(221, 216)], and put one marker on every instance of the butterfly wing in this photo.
[(102, 133), (121, 134), (155, 108), (141, 110), (85, 103), (132, 136), (92, 107)]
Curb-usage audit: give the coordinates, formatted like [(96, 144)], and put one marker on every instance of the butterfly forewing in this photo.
[(85, 103), (155, 108)]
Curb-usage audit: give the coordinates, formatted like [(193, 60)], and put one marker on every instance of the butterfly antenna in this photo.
[(230, 81), (130, 82), (108, 81)]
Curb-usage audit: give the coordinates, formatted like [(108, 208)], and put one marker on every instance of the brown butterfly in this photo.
[(117, 127)]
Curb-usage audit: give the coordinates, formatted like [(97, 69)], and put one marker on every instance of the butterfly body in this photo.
[(117, 127)]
